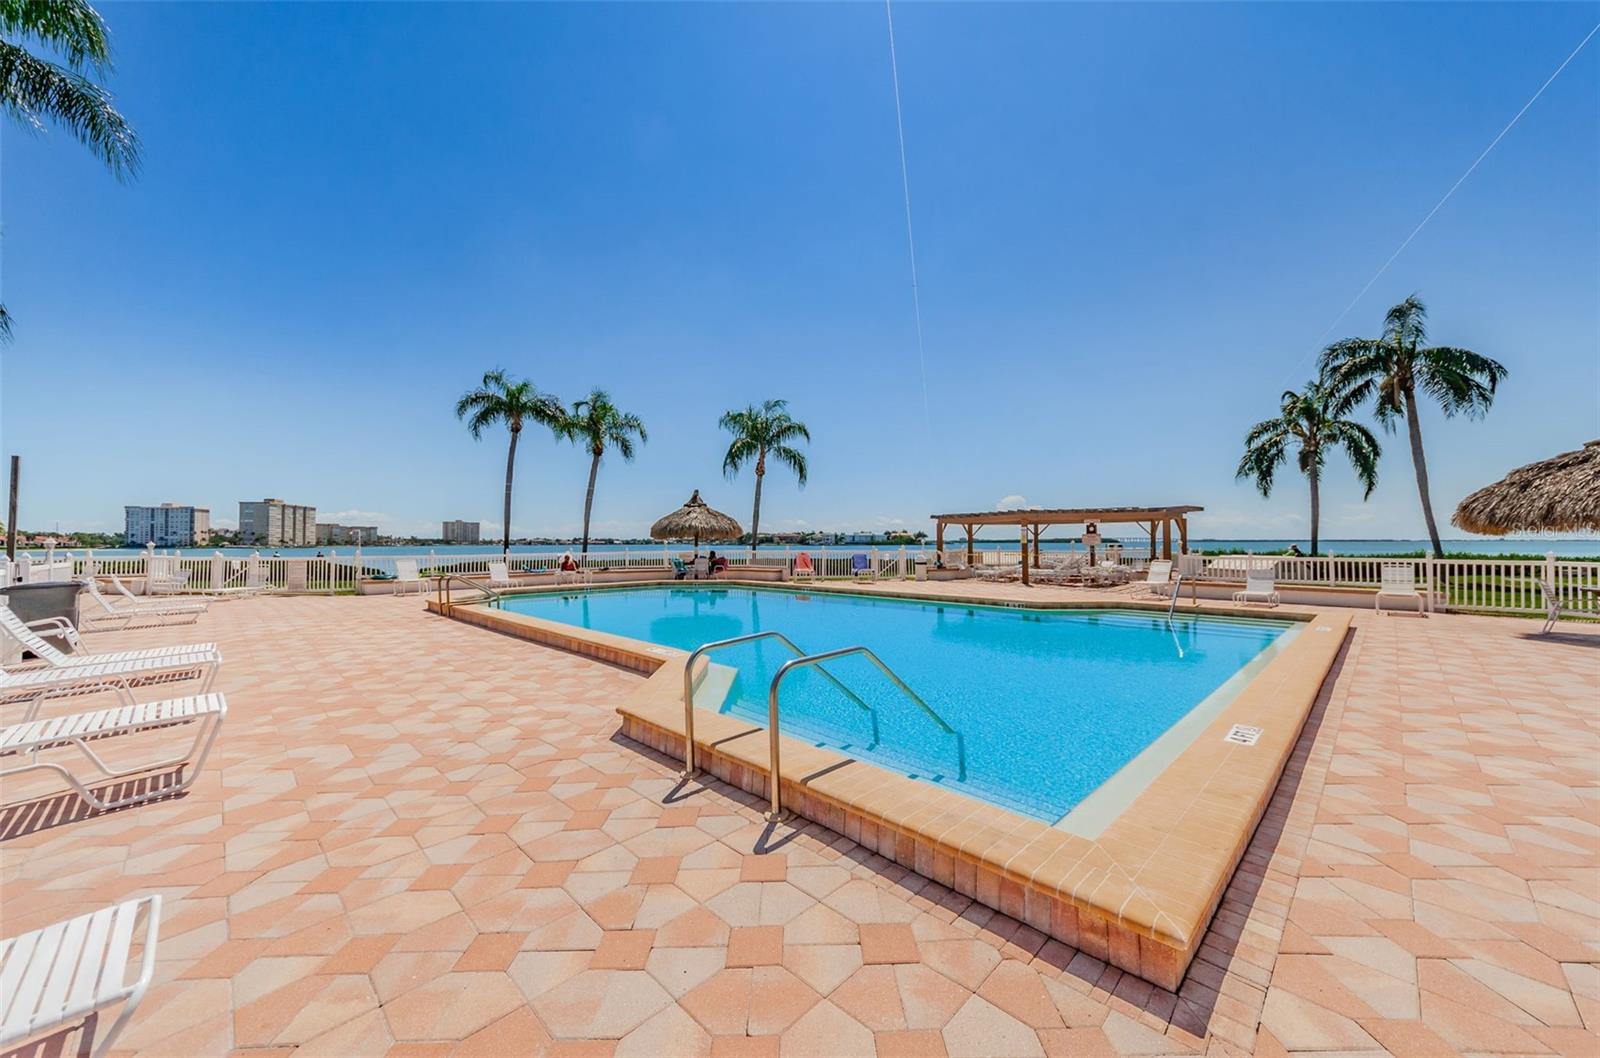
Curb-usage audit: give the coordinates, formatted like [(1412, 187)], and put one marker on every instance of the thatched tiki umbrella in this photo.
[(1560, 495), (694, 519)]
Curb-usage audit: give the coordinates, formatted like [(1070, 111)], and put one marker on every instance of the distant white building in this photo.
[(273, 523), (334, 533), (169, 525), (459, 532)]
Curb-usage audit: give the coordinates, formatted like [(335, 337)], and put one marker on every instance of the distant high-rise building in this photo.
[(169, 525), (459, 532), (334, 533), (273, 523)]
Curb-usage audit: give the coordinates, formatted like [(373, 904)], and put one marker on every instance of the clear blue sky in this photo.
[(1134, 223)]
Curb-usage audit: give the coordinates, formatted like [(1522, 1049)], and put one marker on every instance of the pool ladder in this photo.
[(800, 661)]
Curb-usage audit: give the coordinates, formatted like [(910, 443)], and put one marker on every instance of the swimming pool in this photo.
[(1049, 704)]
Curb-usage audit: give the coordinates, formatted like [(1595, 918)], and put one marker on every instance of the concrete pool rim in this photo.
[(1138, 896)]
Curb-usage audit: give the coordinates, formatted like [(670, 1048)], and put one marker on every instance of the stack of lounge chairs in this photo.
[(53, 977)]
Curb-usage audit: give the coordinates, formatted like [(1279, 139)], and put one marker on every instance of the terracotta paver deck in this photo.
[(420, 838)]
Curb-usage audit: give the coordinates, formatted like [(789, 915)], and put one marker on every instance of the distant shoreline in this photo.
[(1566, 547)]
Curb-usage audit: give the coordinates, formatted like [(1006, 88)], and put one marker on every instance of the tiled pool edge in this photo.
[(1139, 897)]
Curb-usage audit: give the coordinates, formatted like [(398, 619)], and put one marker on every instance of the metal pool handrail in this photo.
[(773, 781), (688, 689), (444, 580), (1177, 586)]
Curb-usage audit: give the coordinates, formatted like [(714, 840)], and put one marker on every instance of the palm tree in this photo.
[(500, 399), (35, 91), (1309, 423), (597, 424), (759, 432), (1391, 369)]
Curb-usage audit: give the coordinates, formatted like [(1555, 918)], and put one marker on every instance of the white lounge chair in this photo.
[(33, 687), (27, 636), (406, 572), (1158, 579), (131, 601), (102, 612), (1260, 583), (32, 736), (500, 577), (1397, 580), (52, 977), (1555, 609)]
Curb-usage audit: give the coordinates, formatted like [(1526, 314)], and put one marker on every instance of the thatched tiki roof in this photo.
[(694, 520), (1560, 495)]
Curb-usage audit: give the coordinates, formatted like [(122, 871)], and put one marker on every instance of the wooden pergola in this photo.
[(1032, 524)]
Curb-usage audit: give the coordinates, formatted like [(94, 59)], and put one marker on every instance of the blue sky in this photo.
[(1134, 226)]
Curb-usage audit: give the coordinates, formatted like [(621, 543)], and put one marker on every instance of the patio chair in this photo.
[(103, 615), (28, 638), (1260, 583), (680, 571), (861, 567), (500, 576), (1555, 609), (405, 573), (55, 976), (702, 567), (1158, 580), (165, 575), (31, 736), (1398, 580), (803, 569)]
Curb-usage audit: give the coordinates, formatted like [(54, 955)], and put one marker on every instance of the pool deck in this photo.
[(419, 839)]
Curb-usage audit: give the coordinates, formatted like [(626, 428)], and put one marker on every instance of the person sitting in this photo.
[(568, 563), (718, 563)]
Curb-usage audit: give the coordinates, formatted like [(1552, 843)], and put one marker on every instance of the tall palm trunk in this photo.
[(755, 514), (1420, 463), (1316, 507), (511, 465), (588, 499)]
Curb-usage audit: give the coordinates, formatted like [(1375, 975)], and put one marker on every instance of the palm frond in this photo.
[(792, 458), (5, 325), (35, 92), (1361, 447), (1459, 379), (743, 450), (70, 27)]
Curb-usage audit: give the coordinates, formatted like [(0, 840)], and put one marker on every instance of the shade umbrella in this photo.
[(1560, 495), (695, 520)]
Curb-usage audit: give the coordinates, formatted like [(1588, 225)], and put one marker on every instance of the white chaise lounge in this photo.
[(130, 601), (101, 613), (54, 976), (1398, 580), (34, 687), (28, 638), (29, 738), (1260, 584)]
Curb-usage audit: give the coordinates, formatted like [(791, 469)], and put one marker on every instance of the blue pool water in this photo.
[(1049, 704)]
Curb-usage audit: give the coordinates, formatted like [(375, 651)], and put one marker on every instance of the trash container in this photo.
[(919, 562), (35, 602)]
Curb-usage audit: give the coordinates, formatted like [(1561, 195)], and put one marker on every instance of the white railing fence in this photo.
[(1486, 585)]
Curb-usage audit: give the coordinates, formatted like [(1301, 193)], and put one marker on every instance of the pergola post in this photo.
[(938, 538), (1024, 556), (1166, 538), (970, 555), (1152, 539), (1183, 534), (1037, 531)]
